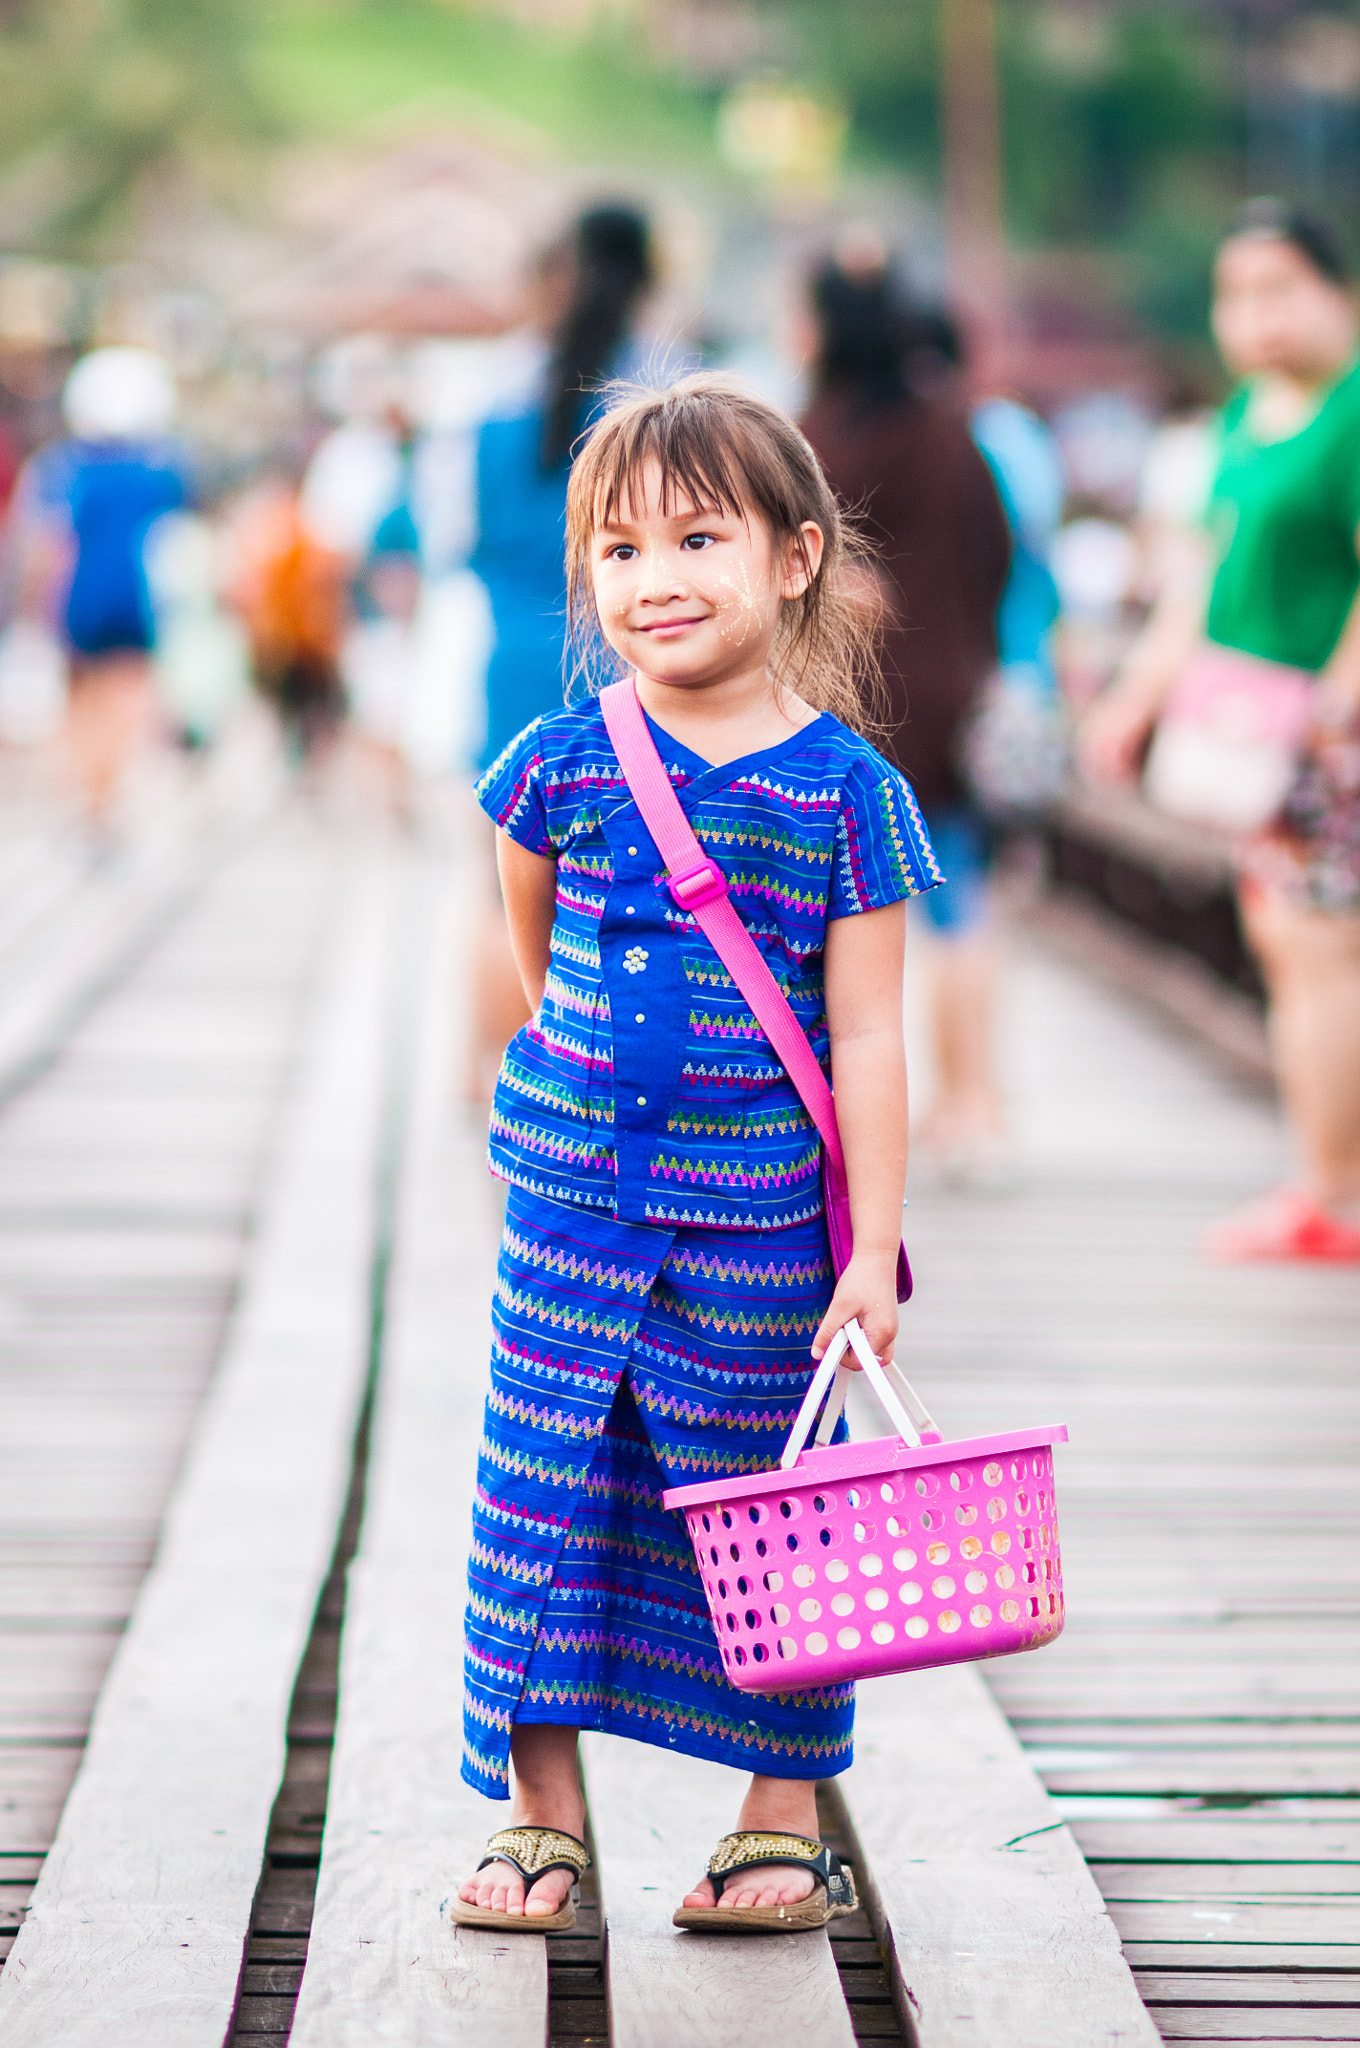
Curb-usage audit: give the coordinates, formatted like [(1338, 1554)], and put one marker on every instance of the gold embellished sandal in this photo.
[(748, 1851), (533, 1852)]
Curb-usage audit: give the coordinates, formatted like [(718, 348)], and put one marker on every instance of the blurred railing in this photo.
[(1170, 881)]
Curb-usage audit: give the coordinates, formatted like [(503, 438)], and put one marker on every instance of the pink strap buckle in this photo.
[(693, 887)]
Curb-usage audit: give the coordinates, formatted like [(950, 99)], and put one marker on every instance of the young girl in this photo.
[(664, 1284)]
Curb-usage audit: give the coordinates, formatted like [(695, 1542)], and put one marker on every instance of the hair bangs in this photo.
[(691, 460)]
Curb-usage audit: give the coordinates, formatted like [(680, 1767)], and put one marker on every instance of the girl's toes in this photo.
[(548, 1896), (702, 1895)]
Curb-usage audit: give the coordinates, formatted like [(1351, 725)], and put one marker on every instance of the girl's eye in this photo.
[(622, 551), (695, 541)]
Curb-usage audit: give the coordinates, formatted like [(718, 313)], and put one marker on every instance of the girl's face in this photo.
[(690, 597), (1274, 312)]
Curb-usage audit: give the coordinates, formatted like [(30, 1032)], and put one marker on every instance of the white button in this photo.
[(632, 849), (640, 1018), (642, 1102), (628, 910)]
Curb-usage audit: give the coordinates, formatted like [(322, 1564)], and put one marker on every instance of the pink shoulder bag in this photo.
[(698, 886)]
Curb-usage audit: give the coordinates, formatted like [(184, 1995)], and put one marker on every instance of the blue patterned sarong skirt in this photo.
[(625, 1359)]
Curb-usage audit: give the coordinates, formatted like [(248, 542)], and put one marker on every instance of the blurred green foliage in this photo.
[(97, 96), (332, 65), (1122, 123)]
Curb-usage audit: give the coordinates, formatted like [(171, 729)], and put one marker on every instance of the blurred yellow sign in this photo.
[(783, 135)]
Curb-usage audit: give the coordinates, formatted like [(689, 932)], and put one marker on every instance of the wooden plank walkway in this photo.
[(1197, 1721), (137, 1924), (129, 1184)]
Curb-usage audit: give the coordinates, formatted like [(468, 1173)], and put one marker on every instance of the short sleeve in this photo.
[(883, 851), (511, 792)]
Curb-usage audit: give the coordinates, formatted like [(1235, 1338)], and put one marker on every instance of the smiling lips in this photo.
[(669, 625)]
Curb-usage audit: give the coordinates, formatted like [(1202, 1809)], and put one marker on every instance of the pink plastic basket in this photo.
[(855, 1560)]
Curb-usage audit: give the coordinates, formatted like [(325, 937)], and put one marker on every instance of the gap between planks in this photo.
[(138, 1924)]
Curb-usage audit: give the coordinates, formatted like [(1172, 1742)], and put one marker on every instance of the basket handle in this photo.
[(853, 1338)]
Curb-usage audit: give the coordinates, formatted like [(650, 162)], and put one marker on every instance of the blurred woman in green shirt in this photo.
[(1280, 587)]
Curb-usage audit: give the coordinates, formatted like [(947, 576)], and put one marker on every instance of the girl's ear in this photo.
[(802, 559)]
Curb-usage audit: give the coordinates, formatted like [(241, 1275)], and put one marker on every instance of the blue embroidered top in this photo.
[(644, 1085)]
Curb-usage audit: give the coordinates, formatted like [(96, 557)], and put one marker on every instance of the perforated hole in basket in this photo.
[(932, 1580)]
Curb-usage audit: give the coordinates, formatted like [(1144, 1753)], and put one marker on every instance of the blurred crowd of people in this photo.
[(1171, 601)]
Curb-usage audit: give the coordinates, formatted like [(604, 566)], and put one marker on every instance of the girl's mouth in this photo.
[(666, 629)]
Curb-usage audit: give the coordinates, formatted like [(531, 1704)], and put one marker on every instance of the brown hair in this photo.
[(723, 448)]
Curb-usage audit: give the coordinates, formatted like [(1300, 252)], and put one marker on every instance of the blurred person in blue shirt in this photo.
[(83, 511)]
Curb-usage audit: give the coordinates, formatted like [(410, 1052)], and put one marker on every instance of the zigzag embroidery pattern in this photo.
[(744, 1271), (519, 1362), (733, 1173), (694, 1415), (665, 1355), (745, 1734), (669, 1606), (543, 1144), (498, 1564), (582, 951), (533, 1308), (707, 1670), (738, 1026), (592, 1003), (590, 1541), (552, 1421), (659, 1212), (574, 1265), (519, 1465), (566, 1101)]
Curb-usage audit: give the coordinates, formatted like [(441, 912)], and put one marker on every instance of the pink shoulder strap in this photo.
[(698, 885)]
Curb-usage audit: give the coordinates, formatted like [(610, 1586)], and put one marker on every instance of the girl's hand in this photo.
[(867, 1289)]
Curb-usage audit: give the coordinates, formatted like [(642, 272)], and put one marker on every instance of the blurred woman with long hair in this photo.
[(604, 270), (1275, 618), (906, 466)]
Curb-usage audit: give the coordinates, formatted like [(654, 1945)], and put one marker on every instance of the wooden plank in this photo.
[(1242, 1882), (383, 1963), (994, 1925), (656, 1817), (1207, 1772), (1250, 1987), (138, 1923), (1279, 1923), (1269, 2028), (1258, 1955), (1216, 1837)]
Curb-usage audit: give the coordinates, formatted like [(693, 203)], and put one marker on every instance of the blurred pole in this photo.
[(975, 239)]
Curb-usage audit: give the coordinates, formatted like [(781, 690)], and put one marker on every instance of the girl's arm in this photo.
[(529, 889), (863, 966)]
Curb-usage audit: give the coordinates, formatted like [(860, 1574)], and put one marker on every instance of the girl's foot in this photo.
[(777, 1806), (499, 1887), (772, 1884)]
